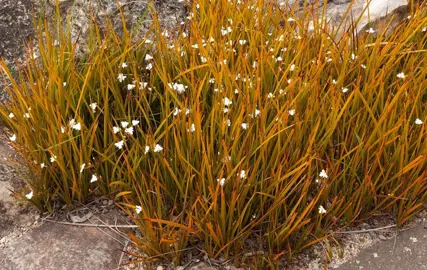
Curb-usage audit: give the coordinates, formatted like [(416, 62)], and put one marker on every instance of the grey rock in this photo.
[(54, 246), (393, 254)]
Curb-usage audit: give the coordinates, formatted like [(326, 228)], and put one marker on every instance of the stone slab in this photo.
[(61, 247), (409, 252)]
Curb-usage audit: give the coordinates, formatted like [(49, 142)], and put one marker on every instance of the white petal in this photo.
[(323, 174), (29, 195), (94, 178)]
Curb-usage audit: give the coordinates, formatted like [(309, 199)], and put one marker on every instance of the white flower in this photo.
[(225, 31), (53, 158), (401, 75), (11, 115), (195, 46), (130, 87), (13, 138), (120, 144), (29, 195), (124, 124), (279, 59), (143, 85), (129, 130), (212, 80), (227, 101), (242, 42), (138, 209), (254, 64), (292, 68), (165, 33), (93, 106), (370, 31), (121, 77), (178, 87), (94, 178), (334, 81), (192, 128), (363, 66), (225, 110), (157, 148), (270, 95), (116, 130), (42, 165), (176, 111), (124, 65), (221, 181), (291, 112), (228, 121), (418, 121), (203, 59), (290, 19), (147, 148), (148, 41), (27, 115), (243, 174), (344, 90), (82, 167), (148, 57), (323, 174), (135, 122), (77, 126), (149, 66), (236, 91), (64, 84), (245, 125), (322, 210)]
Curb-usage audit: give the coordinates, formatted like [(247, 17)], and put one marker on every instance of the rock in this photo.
[(202, 266), (54, 246), (377, 10), (382, 237)]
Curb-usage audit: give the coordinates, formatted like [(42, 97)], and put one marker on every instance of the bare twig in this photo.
[(394, 243), (91, 225), (368, 230), (123, 254)]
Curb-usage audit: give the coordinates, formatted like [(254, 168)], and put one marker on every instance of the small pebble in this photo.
[(375, 255)]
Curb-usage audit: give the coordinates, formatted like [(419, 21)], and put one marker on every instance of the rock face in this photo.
[(377, 10), (138, 14), (15, 27), (16, 16)]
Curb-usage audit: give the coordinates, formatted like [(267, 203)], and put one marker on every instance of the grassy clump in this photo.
[(243, 125)]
